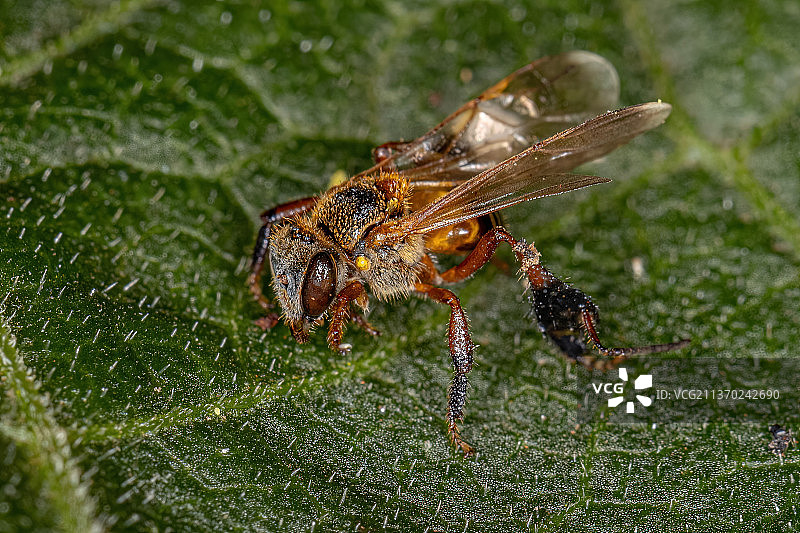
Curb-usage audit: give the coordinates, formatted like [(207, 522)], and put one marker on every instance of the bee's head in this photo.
[(304, 276)]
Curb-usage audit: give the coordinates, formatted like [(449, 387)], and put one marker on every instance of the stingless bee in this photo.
[(439, 195)]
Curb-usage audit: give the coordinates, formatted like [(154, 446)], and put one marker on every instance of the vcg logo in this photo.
[(645, 381)]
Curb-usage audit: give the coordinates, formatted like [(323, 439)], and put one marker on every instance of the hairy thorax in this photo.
[(358, 218)]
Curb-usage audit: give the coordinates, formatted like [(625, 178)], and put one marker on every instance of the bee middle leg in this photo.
[(460, 343)]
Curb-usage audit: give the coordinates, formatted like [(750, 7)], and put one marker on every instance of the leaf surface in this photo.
[(140, 140)]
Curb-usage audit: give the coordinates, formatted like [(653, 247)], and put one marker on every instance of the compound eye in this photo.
[(319, 285)]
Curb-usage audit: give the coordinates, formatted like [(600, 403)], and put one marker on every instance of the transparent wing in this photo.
[(539, 171), (535, 102)]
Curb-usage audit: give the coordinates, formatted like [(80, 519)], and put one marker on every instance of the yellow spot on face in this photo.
[(362, 263)]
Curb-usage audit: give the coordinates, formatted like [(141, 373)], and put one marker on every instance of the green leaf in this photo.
[(139, 141)]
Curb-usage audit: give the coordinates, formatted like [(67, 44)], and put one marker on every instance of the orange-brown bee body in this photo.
[(440, 194), (457, 239)]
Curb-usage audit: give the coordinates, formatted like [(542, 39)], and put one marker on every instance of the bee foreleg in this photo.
[(460, 343), (340, 314), (361, 322)]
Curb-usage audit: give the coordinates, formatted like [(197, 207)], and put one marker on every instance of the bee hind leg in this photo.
[(569, 317), (565, 314)]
